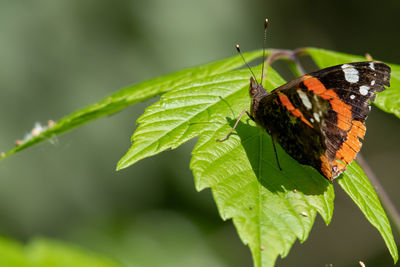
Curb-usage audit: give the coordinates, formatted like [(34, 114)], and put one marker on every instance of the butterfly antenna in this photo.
[(245, 62), (264, 46)]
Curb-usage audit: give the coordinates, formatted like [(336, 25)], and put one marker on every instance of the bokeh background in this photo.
[(59, 56)]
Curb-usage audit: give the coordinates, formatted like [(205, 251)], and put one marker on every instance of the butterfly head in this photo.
[(256, 92), (256, 89)]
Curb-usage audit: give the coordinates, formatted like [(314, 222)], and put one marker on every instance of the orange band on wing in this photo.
[(359, 130), (314, 85), (326, 167), (342, 109), (295, 112), (346, 153), (343, 112), (349, 149)]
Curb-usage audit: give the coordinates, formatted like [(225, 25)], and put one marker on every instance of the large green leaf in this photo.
[(44, 252), (131, 95), (247, 186), (388, 100)]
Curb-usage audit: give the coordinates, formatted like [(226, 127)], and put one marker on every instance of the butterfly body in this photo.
[(319, 118)]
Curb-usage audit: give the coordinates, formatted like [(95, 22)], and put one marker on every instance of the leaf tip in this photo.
[(395, 255), (121, 165)]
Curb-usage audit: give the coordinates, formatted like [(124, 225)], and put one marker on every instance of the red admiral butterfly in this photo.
[(319, 117)]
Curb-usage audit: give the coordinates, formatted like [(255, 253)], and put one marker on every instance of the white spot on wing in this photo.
[(312, 120), (316, 116), (304, 99), (372, 65), (364, 89), (350, 73), (352, 96), (372, 82)]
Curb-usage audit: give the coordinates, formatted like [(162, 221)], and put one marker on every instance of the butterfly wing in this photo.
[(326, 110)]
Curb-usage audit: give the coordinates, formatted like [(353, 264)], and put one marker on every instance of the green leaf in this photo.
[(354, 182), (357, 186), (44, 252), (132, 95), (388, 100), (241, 171)]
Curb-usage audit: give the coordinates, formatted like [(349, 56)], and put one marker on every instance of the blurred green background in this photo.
[(58, 56)]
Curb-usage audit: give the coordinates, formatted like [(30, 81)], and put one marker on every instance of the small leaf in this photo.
[(357, 186), (388, 100), (12, 253), (132, 95)]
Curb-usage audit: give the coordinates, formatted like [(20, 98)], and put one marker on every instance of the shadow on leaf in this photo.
[(294, 176)]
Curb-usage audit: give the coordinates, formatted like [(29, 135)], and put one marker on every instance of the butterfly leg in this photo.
[(276, 154), (236, 123)]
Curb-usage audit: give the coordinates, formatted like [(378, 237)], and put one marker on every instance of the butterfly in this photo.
[(319, 118)]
